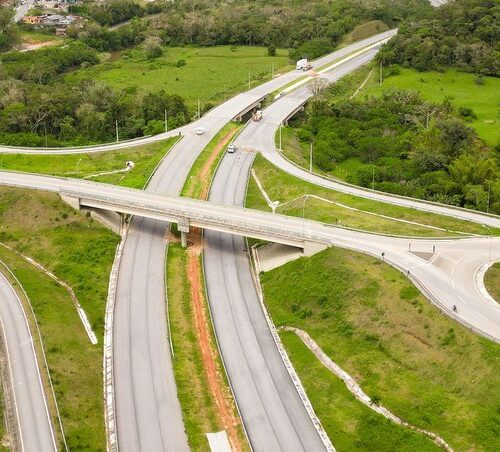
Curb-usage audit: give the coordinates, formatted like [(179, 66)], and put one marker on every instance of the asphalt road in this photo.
[(31, 409), (260, 137), (142, 363), (227, 110), (150, 427), (273, 414)]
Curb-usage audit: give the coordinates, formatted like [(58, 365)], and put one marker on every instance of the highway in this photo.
[(228, 110), (148, 414), (260, 137), (33, 419), (144, 387), (441, 280), (274, 415)]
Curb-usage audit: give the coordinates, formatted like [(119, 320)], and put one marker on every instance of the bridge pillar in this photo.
[(311, 248), (71, 201), (183, 227)]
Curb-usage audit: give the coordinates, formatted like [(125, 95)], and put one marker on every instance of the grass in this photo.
[(349, 424), (492, 281), (200, 412), (203, 169), (460, 87), (198, 407), (210, 74), (364, 31), (40, 225), (285, 187), (145, 157), (421, 365)]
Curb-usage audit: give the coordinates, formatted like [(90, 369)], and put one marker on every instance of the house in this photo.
[(33, 20)]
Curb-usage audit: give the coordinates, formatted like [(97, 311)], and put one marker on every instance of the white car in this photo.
[(200, 131), (231, 148)]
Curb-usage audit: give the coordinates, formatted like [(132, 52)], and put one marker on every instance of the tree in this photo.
[(8, 29), (316, 85)]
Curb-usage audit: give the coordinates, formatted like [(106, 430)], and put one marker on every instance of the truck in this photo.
[(303, 65), (257, 115)]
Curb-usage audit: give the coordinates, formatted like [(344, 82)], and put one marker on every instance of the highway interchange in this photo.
[(147, 410)]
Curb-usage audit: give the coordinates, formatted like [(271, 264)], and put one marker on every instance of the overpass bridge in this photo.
[(185, 212)]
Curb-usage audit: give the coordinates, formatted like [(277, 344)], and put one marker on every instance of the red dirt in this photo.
[(204, 173), (223, 400)]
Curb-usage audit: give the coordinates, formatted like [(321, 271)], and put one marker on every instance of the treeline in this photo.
[(83, 113), (412, 148), (42, 66), (8, 30), (462, 33), (312, 27)]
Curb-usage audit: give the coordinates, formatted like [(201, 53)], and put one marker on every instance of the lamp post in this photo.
[(311, 158), (77, 175), (166, 121)]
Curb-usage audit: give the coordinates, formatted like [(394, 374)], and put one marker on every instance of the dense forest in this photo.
[(464, 34), (287, 24), (413, 148), (39, 106)]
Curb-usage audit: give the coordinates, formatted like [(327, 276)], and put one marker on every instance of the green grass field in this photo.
[(145, 157), (421, 365), (198, 407), (492, 281), (79, 251), (460, 87), (349, 424), (210, 74), (284, 187)]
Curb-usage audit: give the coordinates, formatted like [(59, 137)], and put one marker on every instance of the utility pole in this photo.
[(311, 159), (116, 126), (166, 121), (77, 176), (281, 125), (489, 197)]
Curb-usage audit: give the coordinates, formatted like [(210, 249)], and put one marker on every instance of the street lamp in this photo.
[(304, 215), (77, 175)]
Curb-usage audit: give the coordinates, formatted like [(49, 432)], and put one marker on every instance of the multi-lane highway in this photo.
[(148, 415), (33, 421)]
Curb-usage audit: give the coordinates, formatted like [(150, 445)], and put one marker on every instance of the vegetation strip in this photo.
[(276, 205), (79, 309), (39, 349), (204, 394), (354, 387), (422, 365)]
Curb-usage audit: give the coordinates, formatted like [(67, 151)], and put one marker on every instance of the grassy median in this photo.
[(492, 281), (369, 319), (203, 390)]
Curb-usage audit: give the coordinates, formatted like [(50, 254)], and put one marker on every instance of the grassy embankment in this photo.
[(194, 344), (492, 281), (369, 319), (79, 251), (284, 187), (145, 157), (210, 74)]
